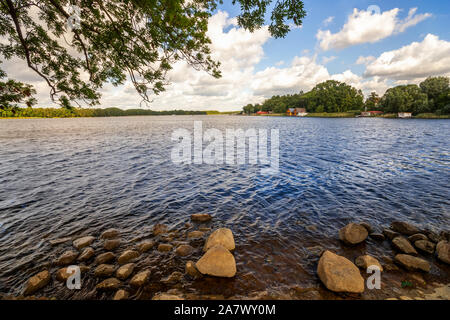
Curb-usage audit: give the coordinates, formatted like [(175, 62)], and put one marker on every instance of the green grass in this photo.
[(432, 116)]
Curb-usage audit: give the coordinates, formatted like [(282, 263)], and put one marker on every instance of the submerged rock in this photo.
[(111, 244), (201, 217), (425, 246), (125, 271), (104, 270), (121, 295), (366, 261), (37, 282), (191, 270), (353, 234), (86, 254), (416, 237), (377, 236), (223, 237), (166, 296), (105, 258), (173, 277), (184, 250), (140, 279), (390, 234), (339, 274), (443, 251), (146, 246), (165, 247), (55, 242), (368, 227), (80, 243), (195, 234), (403, 245), (128, 256), (412, 263), (108, 285), (404, 228), (67, 257), (159, 229), (110, 234), (218, 262)]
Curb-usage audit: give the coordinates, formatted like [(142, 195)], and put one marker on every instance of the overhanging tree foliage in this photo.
[(116, 39), (13, 93)]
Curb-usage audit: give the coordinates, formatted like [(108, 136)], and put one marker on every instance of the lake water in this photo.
[(71, 177)]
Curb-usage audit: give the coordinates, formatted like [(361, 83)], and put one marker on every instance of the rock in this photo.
[(104, 270), (140, 279), (165, 247), (416, 237), (174, 277), (86, 254), (353, 234), (443, 251), (111, 244), (159, 229), (223, 237), (127, 256), (445, 235), (377, 236), (166, 296), (404, 228), (145, 246), (110, 234), (191, 270), (121, 295), (67, 257), (55, 242), (105, 258), (339, 274), (390, 234), (125, 271), (417, 278), (425, 246), (217, 261), (108, 285), (368, 227), (315, 251), (433, 237), (80, 243), (37, 282), (201, 217), (204, 229), (195, 234), (366, 261), (184, 250), (412, 263), (63, 274), (403, 245)]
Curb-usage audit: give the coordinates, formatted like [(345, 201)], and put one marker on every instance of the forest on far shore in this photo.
[(430, 96)]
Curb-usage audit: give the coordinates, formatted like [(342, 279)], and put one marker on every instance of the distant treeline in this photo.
[(430, 96), (86, 112)]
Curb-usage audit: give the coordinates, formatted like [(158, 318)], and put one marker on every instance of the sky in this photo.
[(372, 45)]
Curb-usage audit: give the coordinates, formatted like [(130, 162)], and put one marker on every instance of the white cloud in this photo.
[(327, 21), (365, 60), (414, 61), (368, 27), (326, 60)]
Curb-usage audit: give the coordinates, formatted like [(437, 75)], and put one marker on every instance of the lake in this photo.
[(72, 177)]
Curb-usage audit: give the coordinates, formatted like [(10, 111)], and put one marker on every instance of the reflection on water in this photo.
[(69, 177)]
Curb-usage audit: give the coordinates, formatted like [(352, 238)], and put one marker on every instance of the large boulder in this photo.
[(412, 263), (68, 257), (37, 282), (353, 234), (404, 228), (127, 256), (201, 217), (339, 274), (223, 237), (218, 262), (83, 242), (443, 251), (425, 246), (402, 244), (367, 261), (110, 234)]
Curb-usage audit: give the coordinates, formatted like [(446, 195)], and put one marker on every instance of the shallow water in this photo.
[(71, 177)]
